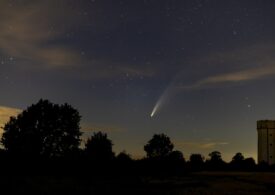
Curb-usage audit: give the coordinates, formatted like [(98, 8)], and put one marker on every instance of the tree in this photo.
[(238, 157), (196, 159), (215, 156), (215, 162), (124, 157), (99, 147), (249, 163), (196, 162), (176, 156), (237, 161), (43, 129), (158, 147)]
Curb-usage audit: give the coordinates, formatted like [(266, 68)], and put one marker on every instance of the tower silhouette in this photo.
[(266, 141)]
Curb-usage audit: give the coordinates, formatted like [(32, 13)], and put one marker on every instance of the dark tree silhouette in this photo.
[(124, 157), (99, 147), (249, 163), (215, 162), (215, 156), (237, 162), (176, 156), (238, 157), (240, 163), (158, 147), (196, 161), (43, 129)]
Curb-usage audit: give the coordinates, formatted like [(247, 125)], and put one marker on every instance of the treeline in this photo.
[(46, 138)]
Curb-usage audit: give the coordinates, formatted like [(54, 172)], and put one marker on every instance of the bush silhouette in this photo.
[(124, 157), (215, 156), (176, 156), (159, 147), (215, 162), (238, 157), (43, 129), (237, 161), (99, 147), (196, 161)]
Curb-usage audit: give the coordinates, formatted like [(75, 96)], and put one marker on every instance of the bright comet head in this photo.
[(155, 109)]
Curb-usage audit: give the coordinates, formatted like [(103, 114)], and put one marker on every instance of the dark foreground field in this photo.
[(195, 183)]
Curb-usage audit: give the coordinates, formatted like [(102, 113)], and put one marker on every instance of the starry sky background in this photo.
[(208, 64)]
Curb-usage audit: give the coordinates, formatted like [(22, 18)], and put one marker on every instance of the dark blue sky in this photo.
[(206, 66)]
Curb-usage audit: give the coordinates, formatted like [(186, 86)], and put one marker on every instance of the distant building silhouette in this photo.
[(266, 141)]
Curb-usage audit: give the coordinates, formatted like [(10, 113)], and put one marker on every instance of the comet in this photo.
[(176, 86), (155, 109), (171, 90), (152, 114), (163, 99)]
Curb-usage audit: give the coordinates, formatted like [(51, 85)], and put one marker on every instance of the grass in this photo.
[(195, 183)]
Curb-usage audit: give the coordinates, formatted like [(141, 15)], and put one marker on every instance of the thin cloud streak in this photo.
[(238, 65), (244, 75), (201, 145), (249, 63)]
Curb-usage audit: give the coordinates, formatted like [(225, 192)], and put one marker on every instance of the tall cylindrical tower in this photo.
[(266, 141)]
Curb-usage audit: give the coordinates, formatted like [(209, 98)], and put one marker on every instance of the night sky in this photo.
[(203, 69)]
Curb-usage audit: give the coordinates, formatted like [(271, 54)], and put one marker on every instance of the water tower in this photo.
[(266, 141)]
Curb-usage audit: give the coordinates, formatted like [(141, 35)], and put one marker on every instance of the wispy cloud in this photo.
[(243, 75), (244, 64), (27, 31), (200, 144), (34, 33)]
